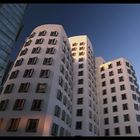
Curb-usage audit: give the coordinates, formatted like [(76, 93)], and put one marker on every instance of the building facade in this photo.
[(37, 97), (11, 18), (85, 113), (119, 98)]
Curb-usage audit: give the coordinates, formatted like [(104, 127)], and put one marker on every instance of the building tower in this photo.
[(11, 19), (119, 98), (85, 115), (37, 97)]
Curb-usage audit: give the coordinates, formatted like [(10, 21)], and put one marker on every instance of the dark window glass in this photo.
[(41, 87), (125, 106), (126, 117), (8, 88), (54, 130), (79, 112), (19, 104), (14, 74), (36, 105), (24, 87), (3, 104), (127, 129), (78, 125)]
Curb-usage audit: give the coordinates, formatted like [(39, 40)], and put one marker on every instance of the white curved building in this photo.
[(85, 113), (37, 96)]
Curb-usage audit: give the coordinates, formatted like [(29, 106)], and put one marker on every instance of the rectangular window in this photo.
[(59, 95), (61, 81), (81, 48), (27, 43), (138, 118), (28, 73), (80, 101), (24, 87), (114, 108), (78, 125), (90, 127), (134, 96), (57, 111), (126, 117), (36, 105), (48, 61), (114, 99), (42, 33), (104, 92), (131, 79), (74, 44), (105, 110), (127, 64), (80, 73), (36, 50), (127, 129), (112, 81), (111, 73), (103, 83), (54, 33), (129, 71), (54, 130), (118, 63), (80, 90), (32, 35), (23, 52), (80, 81), (81, 66), (102, 75), (41, 87), (125, 106), (121, 79), (39, 41), (115, 119), (120, 71), (3, 104), (81, 59), (123, 96), (79, 112), (105, 101), (106, 121), (102, 69), (113, 89), (117, 131), (50, 51), (136, 107), (132, 87), (45, 73), (109, 66), (81, 53), (32, 125), (122, 87), (13, 124), (32, 61), (14, 74), (19, 62), (63, 115), (52, 41), (8, 88), (106, 132), (19, 104)]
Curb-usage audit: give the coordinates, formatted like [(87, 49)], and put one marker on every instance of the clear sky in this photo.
[(114, 29)]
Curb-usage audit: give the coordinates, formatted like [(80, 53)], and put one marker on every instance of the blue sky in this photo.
[(114, 29)]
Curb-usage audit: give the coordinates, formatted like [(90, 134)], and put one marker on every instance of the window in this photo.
[(123, 96), (132, 87), (14, 74), (41, 87), (19, 104), (102, 69), (129, 71), (74, 44), (32, 35), (62, 69), (113, 89), (136, 107), (32, 125), (24, 87), (48, 61), (36, 50), (106, 121), (90, 114), (112, 81), (61, 131), (36, 105), (52, 41), (81, 59), (122, 87), (81, 53), (125, 106), (13, 124), (127, 129), (1, 123), (45, 73), (54, 129), (80, 73), (134, 96), (121, 79), (117, 131), (42, 33), (23, 52), (74, 49), (138, 117), (81, 48), (104, 92), (102, 75), (126, 117), (103, 83), (114, 99), (120, 71), (54, 33), (3, 104), (32, 61), (57, 111), (111, 73), (9, 88), (28, 43), (105, 101), (64, 100), (131, 79), (39, 41), (78, 125), (19, 62), (81, 66), (63, 115), (127, 64), (82, 43), (106, 132), (59, 95), (80, 81), (50, 51), (61, 81), (80, 90), (80, 101), (118, 63), (139, 129), (28, 73), (105, 110), (90, 127), (109, 66), (114, 108), (79, 112), (115, 119)]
